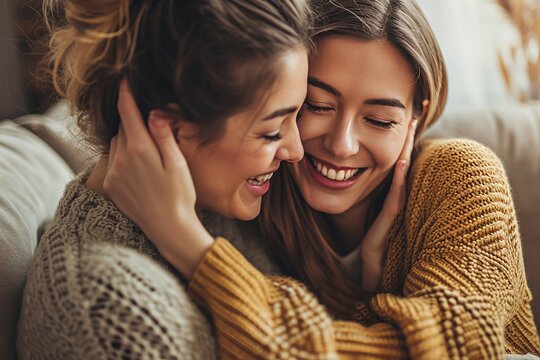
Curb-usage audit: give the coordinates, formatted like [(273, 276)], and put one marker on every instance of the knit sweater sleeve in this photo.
[(115, 303), (258, 316), (463, 279)]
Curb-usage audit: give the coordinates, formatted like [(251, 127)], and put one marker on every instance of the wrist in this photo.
[(368, 253), (187, 245)]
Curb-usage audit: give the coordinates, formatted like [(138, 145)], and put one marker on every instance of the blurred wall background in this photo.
[(475, 36), (12, 99)]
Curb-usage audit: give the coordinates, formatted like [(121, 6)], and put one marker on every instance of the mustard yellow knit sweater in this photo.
[(454, 285)]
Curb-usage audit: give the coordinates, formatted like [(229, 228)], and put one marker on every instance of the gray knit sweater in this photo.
[(98, 288)]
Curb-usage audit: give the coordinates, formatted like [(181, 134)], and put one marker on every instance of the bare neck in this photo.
[(350, 228), (95, 180)]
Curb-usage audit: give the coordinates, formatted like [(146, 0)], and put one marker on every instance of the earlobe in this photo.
[(425, 107)]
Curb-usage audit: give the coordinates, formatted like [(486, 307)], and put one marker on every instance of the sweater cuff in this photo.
[(419, 320), (223, 275)]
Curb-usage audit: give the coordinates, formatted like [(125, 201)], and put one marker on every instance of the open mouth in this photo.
[(260, 180), (332, 173)]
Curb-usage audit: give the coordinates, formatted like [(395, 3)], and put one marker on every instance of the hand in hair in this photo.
[(373, 248), (149, 181)]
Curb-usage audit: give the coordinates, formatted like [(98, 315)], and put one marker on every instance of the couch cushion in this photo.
[(32, 178), (58, 128), (513, 133)]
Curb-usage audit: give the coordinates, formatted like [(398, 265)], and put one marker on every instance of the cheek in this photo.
[(251, 161), (309, 126), (385, 149)]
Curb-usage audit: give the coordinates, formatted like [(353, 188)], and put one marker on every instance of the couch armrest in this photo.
[(33, 177)]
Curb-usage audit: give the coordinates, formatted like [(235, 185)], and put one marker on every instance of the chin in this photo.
[(247, 212), (327, 206), (332, 210)]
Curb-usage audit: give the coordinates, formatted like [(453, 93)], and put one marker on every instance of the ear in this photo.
[(420, 115), (182, 128), (425, 107), (185, 130)]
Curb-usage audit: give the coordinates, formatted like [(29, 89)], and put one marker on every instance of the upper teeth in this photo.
[(334, 174), (261, 179)]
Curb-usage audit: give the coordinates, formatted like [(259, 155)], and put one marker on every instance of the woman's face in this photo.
[(231, 174), (354, 121)]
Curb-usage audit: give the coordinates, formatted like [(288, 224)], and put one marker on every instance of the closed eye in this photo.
[(317, 109), (272, 138), (386, 125)]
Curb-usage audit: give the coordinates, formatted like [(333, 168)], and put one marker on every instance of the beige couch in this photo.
[(35, 164)]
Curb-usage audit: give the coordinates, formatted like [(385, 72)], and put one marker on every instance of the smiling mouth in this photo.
[(333, 173), (261, 179)]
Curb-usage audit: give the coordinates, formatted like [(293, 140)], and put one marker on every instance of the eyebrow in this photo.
[(281, 112), (324, 86), (385, 102), (377, 101)]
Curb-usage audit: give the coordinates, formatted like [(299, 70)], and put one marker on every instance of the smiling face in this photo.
[(231, 174), (354, 122)]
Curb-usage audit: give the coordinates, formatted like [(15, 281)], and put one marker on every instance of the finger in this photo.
[(112, 152), (121, 146), (400, 177), (130, 116), (395, 199), (165, 140), (409, 142)]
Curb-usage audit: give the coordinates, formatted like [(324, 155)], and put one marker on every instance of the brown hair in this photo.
[(297, 234), (211, 58)]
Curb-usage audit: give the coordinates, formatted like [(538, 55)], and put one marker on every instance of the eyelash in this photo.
[(314, 108), (380, 124), (272, 138)]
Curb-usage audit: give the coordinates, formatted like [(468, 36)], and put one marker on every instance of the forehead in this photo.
[(287, 91), (368, 68), (289, 88)]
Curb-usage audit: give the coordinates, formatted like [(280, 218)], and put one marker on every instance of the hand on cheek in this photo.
[(373, 248)]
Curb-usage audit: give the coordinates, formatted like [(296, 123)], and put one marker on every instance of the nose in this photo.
[(342, 140), (291, 149)]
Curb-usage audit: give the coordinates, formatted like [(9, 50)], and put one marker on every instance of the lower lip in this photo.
[(326, 182), (258, 190)]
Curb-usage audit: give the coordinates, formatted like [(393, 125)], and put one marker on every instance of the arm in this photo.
[(152, 184), (133, 307), (96, 300), (260, 317)]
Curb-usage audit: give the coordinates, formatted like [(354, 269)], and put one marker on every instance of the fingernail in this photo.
[(415, 123)]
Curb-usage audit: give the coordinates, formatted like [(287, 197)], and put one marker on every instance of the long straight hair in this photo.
[(300, 237)]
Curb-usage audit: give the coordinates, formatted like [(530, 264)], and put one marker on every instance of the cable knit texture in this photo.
[(98, 289), (454, 285)]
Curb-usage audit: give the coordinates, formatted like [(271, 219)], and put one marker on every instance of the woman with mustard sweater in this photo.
[(453, 283), (447, 279)]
